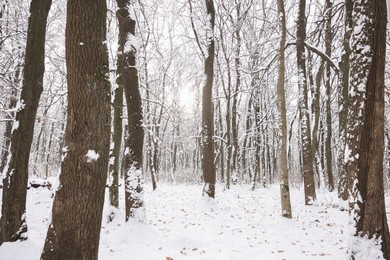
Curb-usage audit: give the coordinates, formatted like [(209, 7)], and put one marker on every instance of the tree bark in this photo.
[(117, 141), (307, 166), (328, 141), (282, 118), (343, 186), (74, 231), (365, 138), (207, 107), (134, 202), (13, 223)]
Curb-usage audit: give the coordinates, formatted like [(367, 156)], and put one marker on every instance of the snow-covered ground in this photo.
[(239, 224)]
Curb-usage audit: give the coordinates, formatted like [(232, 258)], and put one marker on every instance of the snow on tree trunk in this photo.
[(13, 223), (75, 227), (135, 133), (365, 132), (343, 101), (207, 107), (282, 119), (307, 161)]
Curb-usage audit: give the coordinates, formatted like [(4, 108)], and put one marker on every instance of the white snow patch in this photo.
[(15, 126), (92, 156), (364, 248), (131, 43)]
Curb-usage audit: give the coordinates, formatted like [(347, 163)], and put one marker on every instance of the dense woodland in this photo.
[(210, 92)]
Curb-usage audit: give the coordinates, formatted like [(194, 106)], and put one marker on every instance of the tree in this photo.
[(77, 208), (365, 126), (282, 120), (116, 135), (343, 101), (207, 107), (307, 162), (13, 223), (328, 141), (128, 76)]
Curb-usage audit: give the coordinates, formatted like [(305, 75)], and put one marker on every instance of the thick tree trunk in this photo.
[(307, 161), (282, 118), (74, 231), (207, 108), (365, 138), (13, 223)]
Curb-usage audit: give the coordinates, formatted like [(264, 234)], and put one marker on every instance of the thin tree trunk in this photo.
[(13, 223), (245, 142), (237, 63), (117, 142), (49, 150), (282, 117), (304, 119), (207, 108), (328, 141), (8, 129), (344, 103), (74, 231)]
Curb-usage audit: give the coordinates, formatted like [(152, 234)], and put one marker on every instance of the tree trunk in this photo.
[(343, 102), (74, 231), (8, 129), (117, 141), (328, 141), (282, 118), (307, 161), (365, 138), (134, 202), (207, 107), (13, 223), (237, 63)]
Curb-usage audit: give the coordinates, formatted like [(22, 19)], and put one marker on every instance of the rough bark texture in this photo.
[(237, 65), (307, 161), (117, 141), (13, 220), (207, 108), (282, 118), (135, 135), (328, 141), (343, 101), (367, 86), (78, 204)]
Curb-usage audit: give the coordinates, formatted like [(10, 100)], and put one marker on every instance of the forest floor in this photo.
[(239, 224)]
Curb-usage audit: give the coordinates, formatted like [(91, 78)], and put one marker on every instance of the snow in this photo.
[(92, 156), (238, 224), (15, 126), (131, 43)]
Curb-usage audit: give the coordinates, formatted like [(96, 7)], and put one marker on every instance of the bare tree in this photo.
[(134, 138), (282, 120), (13, 220), (207, 107), (74, 231), (343, 101), (365, 126), (307, 161)]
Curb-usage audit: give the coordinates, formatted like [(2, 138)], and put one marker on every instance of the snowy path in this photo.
[(240, 224)]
